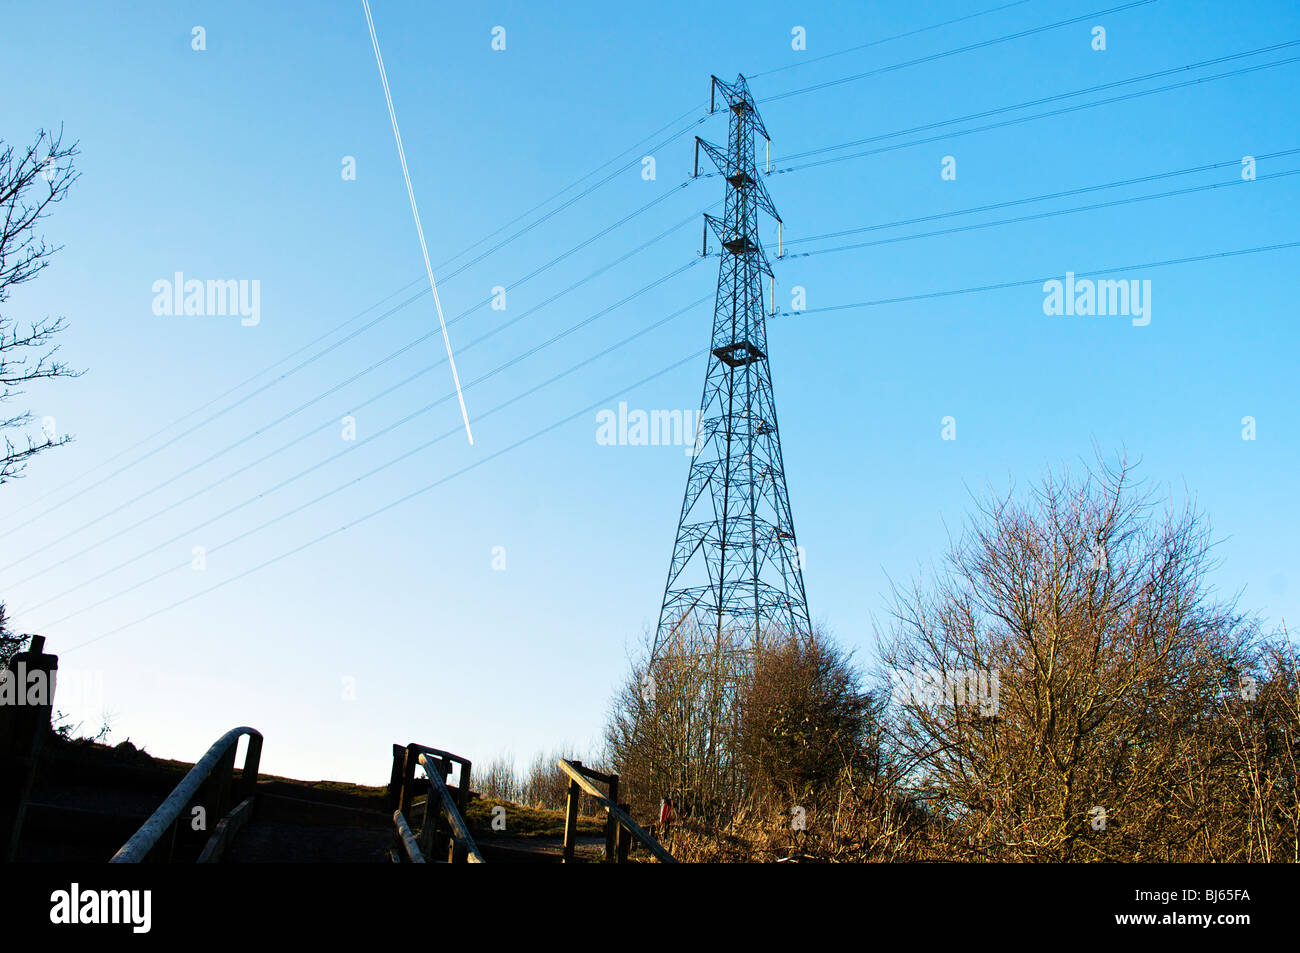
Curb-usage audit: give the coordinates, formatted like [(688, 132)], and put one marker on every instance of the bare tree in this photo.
[(674, 728), (1258, 817), (1059, 686), (32, 181)]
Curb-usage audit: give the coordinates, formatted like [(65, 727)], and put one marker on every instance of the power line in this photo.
[(637, 146), (384, 316), (632, 149), (1042, 101), (808, 61), (388, 506), (588, 409), (350, 451), (1044, 215), (983, 44), (1034, 281), (1037, 198), (144, 440), (554, 261), (562, 334), (1021, 119), (409, 417), (338, 386), (499, 245)]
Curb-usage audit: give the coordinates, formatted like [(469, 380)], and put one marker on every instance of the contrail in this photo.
[(433, 286)]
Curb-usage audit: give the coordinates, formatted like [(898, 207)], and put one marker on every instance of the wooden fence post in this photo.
[(252, 764), (611, 824), (442, 834), (462, 796), (23, 728), (409, 762), (624, 836), (571, 817), (431, 814), (395, 777)]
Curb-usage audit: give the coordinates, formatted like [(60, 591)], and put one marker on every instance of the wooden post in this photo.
[(409, 762), (431, 815), (395, 778), (624, 836), (462, 794), (252, 764), (441, 829), (612, 825), (23, 728), (571, 817)]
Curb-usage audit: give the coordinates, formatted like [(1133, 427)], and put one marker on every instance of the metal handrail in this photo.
[(143, 841), (460, 830), (579, 777)]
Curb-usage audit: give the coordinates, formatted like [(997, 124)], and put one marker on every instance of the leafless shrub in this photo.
[(545, 784), (732, 734), (674, 730), (1112, 663), (497, 779)]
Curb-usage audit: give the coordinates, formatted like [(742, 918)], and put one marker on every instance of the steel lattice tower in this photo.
[(735, 574)]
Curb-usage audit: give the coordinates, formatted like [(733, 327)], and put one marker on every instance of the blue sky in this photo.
[(226, 163)]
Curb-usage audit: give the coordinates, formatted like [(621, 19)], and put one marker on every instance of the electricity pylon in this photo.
[(736, 575)]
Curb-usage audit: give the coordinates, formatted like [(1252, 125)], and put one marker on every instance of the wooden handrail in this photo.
[(441, 755), (220, 756), (225, 832), (460, 830), (579, 776), (401, 788), (410, 845)]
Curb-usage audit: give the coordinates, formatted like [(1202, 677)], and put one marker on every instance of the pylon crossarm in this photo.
[(739, 101), (737, 177), (739, 244)]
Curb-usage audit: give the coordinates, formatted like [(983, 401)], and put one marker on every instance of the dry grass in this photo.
[(524, 821)]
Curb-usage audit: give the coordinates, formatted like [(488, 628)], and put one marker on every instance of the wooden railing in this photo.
[(211, 785), (441, 805), (620, 829), (444, 832), (411, 852)]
